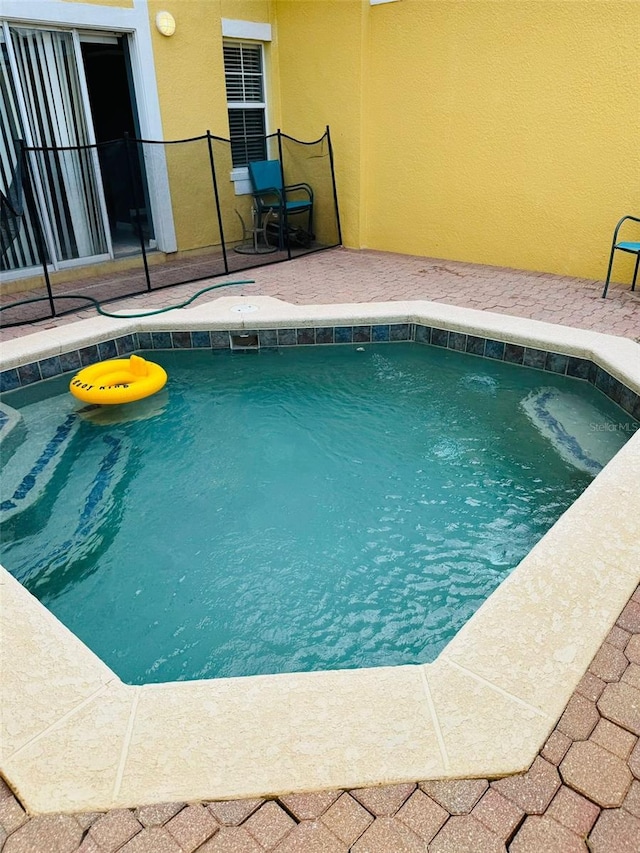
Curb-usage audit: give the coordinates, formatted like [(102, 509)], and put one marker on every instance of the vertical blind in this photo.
[(48, 76), (51, 113), (18, 246)]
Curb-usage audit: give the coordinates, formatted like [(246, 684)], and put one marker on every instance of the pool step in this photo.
[(33, 450), (577, 430), (71, 533), (11, 431)]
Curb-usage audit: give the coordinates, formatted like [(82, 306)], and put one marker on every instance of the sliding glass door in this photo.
[(49, 110)]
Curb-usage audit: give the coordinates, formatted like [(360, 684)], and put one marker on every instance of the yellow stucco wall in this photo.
[(189, 69), (494, 131), (321, 46), (191, 89)]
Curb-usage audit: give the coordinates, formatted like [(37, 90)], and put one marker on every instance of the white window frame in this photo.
[(253, 32)]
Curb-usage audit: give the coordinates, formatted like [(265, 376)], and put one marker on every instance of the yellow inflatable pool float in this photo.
[(120, 380)]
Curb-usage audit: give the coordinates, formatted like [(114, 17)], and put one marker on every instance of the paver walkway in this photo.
[(582, 792)]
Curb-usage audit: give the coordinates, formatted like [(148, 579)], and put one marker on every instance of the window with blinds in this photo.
[(244, 78)]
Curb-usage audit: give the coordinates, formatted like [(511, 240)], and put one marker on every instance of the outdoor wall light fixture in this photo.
[(165, 23)]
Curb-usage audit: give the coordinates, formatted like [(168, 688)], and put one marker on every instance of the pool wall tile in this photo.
[(106, 350), (361, 334), (457, 341), (181, 340), (126, 344), (343, 334), (604, 382), (287, 337), (380, 334), (144, 340), (161, 340), (70, 361), (556, 363), (439, 337), (618, 391), (475, 345), (305, 337), (400, 332), (201, 340), (627, 399), (220, 340), (324, 335), (88, 355), (534, 358), (494, 349), (50, 367), (268, 338), (29, 373), (614, 389), (580, 368), (9, 380), (422, 334), (514, 353)]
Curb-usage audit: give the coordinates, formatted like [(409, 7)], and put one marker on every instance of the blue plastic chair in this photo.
[(271, 194), (631, 247)]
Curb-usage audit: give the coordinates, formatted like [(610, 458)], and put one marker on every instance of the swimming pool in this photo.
[(76, 738), (293, 509)]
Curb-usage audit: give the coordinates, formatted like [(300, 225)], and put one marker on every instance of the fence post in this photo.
[(136, 207), (217, 198), (284, 225), (333, 181), (42, 251)]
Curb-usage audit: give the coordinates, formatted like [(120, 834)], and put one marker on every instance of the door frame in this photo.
[(134, 23)]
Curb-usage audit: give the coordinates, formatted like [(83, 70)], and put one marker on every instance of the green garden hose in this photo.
[(104, 313)]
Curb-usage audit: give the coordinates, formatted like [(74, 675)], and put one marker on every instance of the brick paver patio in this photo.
[(582, 792), (344, 275)]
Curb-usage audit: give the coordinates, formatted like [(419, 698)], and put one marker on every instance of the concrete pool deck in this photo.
[(393, 725)]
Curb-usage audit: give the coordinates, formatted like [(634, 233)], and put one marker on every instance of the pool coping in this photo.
[(75, 738)]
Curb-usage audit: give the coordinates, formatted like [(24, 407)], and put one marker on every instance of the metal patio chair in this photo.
[(631, 247), (271, 194)]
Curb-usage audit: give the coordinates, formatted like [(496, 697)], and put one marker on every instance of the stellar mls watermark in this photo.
[(608, 426)]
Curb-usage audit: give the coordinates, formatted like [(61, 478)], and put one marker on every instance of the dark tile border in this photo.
[(551, 362)]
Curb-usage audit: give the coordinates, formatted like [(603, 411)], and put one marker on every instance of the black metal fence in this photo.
[(130, 216)]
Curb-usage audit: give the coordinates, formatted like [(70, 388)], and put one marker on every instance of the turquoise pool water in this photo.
[(294, 509)]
